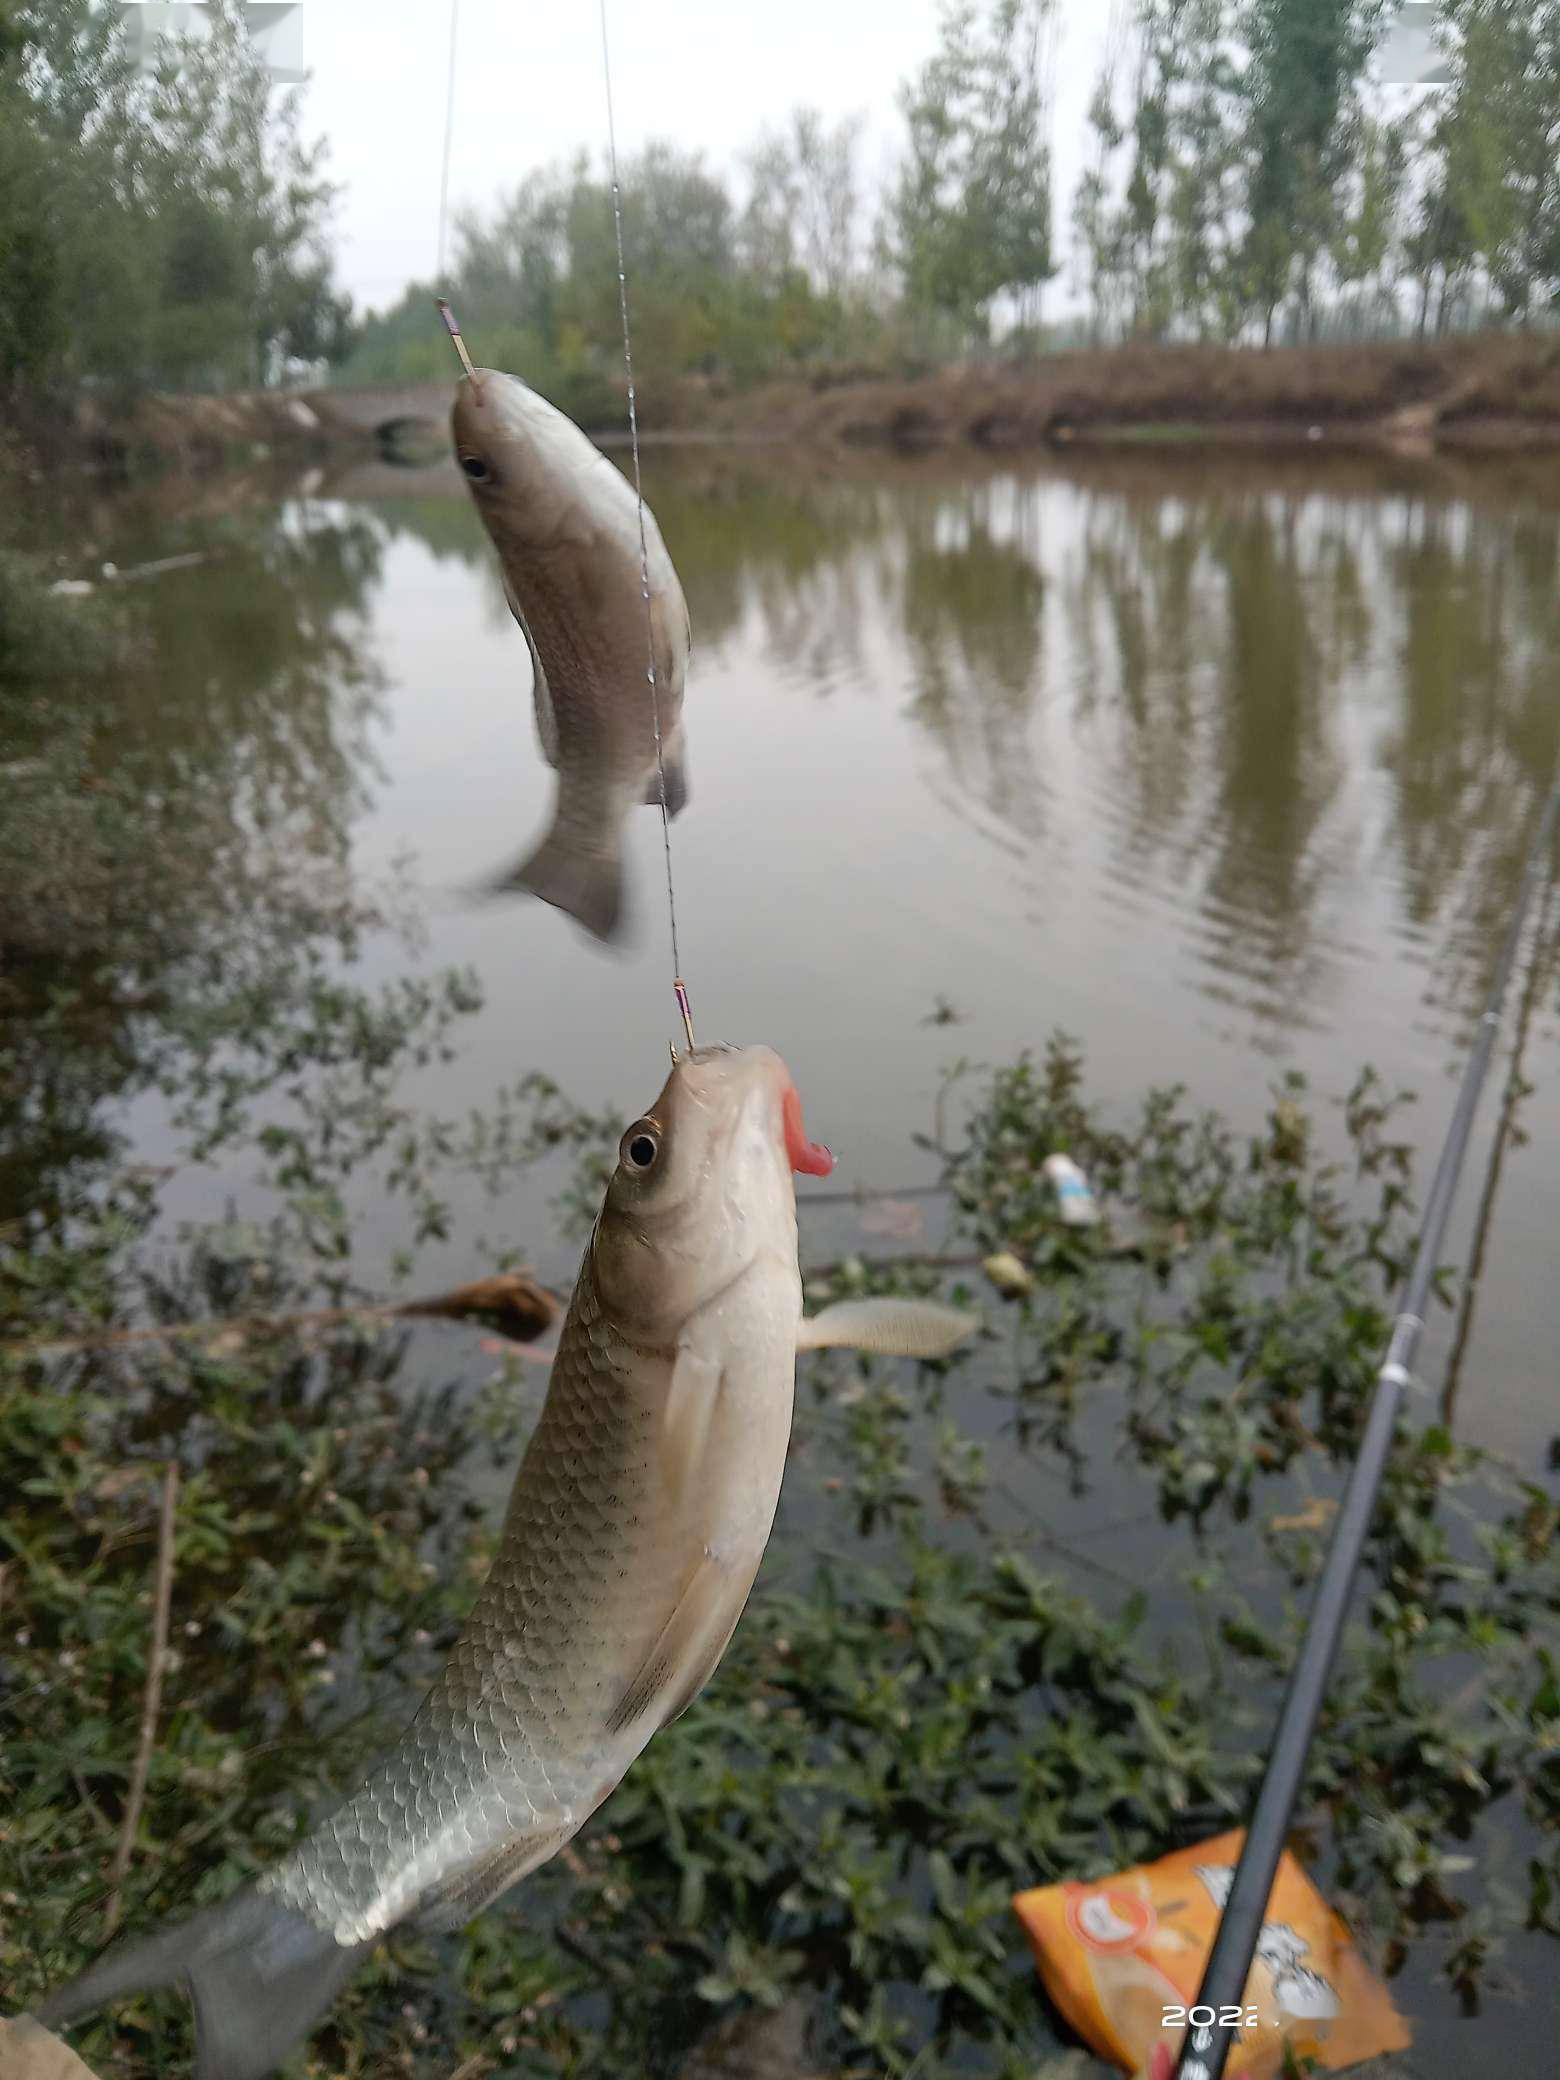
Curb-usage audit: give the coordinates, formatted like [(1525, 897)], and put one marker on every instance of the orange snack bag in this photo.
[(1123, 1957)]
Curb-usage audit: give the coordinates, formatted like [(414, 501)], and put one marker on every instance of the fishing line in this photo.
[(449, 137), (679, 987), (1206, 2047)]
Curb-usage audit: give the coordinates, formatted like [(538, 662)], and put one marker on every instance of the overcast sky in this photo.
[(707, 74)]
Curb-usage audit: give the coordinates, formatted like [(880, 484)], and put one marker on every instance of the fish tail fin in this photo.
[(674, 765), (584, 880), (259, 1973)]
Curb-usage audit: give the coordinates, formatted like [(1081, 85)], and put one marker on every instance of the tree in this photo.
[(1301, 78), (1094, 224), (228, 150), (679, 245), (1495, 194), (804, 202), (1203, 204), (1158, 239), (75, 251), (969, 219), (1366, 232), (1145, 205), (170, 229), (511, 266)]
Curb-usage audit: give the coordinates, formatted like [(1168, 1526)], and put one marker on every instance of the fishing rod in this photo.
[(1207, 2045), (679, 987)]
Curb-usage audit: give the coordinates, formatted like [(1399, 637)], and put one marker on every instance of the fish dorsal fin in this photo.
[(894, 1327)]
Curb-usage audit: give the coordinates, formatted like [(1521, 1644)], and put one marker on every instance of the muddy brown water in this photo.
[(1225, 765)]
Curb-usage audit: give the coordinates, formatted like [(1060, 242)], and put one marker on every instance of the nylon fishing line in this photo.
[(678, 985), (449, 137)]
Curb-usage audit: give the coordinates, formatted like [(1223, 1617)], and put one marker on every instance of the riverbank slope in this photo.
[(1491, 390)]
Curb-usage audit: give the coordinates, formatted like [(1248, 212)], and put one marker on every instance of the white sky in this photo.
[(706, 74)]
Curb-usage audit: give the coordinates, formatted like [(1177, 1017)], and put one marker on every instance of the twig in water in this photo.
[(105, 1825), (566, 1938), (508, 1301), (151, 1700), (473, 2068), (156, 568)]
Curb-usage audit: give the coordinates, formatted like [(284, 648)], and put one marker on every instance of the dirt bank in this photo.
[(192, 434), (1492, 390)]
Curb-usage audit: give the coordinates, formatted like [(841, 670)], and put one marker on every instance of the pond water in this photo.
[(1225, 766)]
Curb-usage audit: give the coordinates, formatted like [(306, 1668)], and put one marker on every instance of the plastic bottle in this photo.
[(1074, 1200)]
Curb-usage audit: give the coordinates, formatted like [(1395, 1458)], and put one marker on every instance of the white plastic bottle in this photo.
[(1074, 1200)]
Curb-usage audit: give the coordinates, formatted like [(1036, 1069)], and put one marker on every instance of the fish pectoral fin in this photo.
[(688, 1651), (541, 692), (464, 1894), (691, 1401), (896, 1328)]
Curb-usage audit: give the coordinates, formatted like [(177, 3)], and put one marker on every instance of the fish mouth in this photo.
[(811, 1158)]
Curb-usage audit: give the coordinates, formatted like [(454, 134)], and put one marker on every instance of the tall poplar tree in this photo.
[(1302, 77), (970, 216)]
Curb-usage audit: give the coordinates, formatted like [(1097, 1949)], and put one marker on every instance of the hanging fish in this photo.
[(565, 523), (638, 1519)]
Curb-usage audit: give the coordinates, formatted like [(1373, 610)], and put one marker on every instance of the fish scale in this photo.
[(513, 1739)]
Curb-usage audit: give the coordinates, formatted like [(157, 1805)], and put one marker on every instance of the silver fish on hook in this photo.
[(639, 1516), (566, 525)]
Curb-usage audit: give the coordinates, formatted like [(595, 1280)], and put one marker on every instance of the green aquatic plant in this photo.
[(47, 636), (934, 1699)]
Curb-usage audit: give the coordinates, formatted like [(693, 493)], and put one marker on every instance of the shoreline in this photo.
[(1492, 394)]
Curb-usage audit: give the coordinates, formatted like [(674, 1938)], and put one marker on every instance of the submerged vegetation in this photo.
[(933, 1701)]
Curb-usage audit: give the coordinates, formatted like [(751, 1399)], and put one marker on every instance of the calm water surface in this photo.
[(1226, 767)]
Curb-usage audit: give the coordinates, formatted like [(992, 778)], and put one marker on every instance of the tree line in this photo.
[(1246, 176), (165, 229), (1245, 179)]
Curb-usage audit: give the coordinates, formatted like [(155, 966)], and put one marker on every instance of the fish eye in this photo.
[(640, 1146), (475, 468)]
